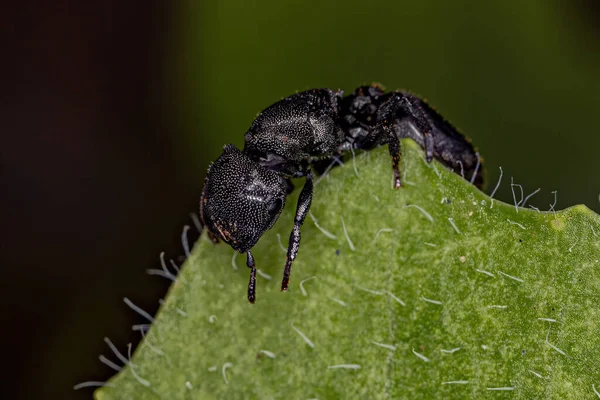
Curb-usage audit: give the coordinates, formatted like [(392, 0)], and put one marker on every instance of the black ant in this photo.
[(245, 191)]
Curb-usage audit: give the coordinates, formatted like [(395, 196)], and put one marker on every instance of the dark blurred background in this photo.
[(111, 112)]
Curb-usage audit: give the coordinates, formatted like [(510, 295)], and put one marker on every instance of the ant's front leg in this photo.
[(301, 211), (252, 282)]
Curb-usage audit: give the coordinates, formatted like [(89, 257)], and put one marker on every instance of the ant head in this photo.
[(241, 199)]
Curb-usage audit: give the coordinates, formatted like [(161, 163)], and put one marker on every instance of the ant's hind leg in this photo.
[(395, 153), (428, 146), (384, 132), (411, 120), (301, 211), (402, 116)]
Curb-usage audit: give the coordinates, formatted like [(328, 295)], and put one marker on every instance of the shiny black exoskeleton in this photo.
[(245, 191)]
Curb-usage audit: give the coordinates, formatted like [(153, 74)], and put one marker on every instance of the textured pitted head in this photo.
[(241, 199)]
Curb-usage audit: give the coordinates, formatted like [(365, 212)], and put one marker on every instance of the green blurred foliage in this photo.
[(519, 78)]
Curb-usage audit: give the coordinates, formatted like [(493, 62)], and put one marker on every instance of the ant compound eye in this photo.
[(275, 207)]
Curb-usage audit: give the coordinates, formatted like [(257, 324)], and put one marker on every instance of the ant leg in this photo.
[(428, 146), (394, 148), (384, 132), (252, 282), (301, 211), (402, 115), (413, 118)]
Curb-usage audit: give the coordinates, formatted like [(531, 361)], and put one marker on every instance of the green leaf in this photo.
[(443, 293)]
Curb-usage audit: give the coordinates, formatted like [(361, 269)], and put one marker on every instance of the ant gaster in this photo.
[(245, 191)]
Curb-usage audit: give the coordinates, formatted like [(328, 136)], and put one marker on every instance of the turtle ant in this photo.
[(245, 190)]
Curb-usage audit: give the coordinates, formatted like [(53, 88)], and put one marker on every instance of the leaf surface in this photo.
[(430, 291)]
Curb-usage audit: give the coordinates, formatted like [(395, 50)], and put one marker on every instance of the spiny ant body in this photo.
[(245, 191)]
